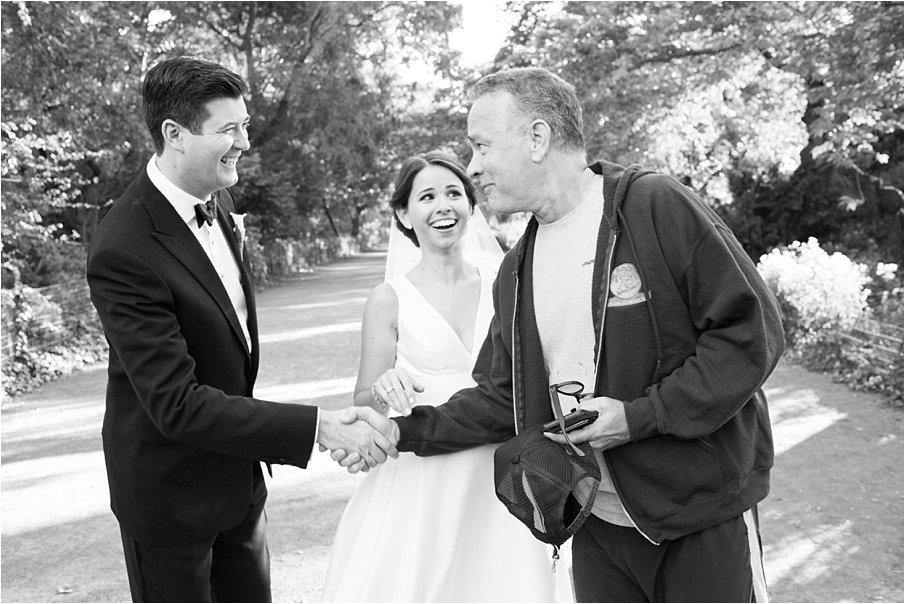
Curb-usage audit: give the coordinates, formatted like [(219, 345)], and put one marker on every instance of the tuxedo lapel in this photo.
[(174, 235), (227, 224)]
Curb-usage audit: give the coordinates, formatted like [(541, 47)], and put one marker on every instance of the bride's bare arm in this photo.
[(378, 346)]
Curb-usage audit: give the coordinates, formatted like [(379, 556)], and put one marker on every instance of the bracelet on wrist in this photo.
[(377, 400)]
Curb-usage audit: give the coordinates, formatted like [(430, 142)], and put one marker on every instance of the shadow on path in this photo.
[(832, 524)]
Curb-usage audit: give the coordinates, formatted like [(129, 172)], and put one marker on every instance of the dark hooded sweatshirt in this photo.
[(688, 363)]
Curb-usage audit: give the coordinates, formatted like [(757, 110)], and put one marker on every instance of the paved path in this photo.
[(832, 524)]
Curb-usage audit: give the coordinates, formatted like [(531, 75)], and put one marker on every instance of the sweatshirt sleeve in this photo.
[(740, 334), (473, 416)]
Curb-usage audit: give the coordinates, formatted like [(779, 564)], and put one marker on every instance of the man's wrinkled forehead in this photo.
[(490, 112)]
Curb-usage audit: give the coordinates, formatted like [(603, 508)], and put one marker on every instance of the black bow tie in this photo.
[(206, 212)]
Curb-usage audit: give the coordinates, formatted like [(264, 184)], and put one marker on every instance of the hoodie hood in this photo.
[(616, 181)]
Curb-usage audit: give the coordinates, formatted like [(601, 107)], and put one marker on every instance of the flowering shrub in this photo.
[(821, 295), (817, 291)]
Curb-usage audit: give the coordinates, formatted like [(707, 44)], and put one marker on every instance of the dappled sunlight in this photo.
[(69, 488), (308, 332), (54, 422), (296, 391), (313, 305), (804, 558), (346, 267), (796, 415)]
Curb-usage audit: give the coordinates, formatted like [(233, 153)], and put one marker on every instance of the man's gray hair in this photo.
[(540, 95)]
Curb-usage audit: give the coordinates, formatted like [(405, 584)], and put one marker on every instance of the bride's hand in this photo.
[(397, 389)]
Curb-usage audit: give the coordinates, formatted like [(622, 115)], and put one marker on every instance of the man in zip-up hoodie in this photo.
[(624, 280)]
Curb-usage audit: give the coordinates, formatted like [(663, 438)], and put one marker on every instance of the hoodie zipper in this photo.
[(514, 353), (608, 274)]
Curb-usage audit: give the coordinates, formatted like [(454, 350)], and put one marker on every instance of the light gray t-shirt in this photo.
[(563, 270)]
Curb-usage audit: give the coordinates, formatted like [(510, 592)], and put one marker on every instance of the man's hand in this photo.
[(609, 430), (352, 431)]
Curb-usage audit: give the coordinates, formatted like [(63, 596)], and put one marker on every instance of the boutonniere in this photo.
[(239, 221)]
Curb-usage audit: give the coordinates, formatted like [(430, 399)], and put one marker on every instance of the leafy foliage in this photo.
[(822, 295), (819, 291), (733, 98), (324, 99)]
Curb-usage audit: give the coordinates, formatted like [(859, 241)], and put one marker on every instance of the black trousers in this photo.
[(231, 566), (617, 564)]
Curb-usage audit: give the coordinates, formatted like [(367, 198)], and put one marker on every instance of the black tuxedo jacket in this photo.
[(182, 435)]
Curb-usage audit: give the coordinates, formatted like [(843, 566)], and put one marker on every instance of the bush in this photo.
[(47, 342), (280, 257), (821, 295), (886, 293), (853, 364), (818, 292)]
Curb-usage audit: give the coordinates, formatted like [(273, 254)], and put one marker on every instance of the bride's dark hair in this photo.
[(410, 169)]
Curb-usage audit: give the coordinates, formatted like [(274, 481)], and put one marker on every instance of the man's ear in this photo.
[(541, 136), (172, 134), (403, 215)]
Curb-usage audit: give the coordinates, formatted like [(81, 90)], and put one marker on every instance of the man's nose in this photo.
[(474, 168), (241, 141)]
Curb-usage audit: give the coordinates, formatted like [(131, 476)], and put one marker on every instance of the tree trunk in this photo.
[(330, 218), (815, 93)]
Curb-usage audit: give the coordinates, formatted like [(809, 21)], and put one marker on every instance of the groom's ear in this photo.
[(403, 216), (172, 134)]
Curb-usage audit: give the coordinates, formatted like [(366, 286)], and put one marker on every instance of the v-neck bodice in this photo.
[(428, 348)]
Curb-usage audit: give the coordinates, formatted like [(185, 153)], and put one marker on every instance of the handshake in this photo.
[(358, 438)]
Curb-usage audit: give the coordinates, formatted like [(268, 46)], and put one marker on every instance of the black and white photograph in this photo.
[(452, 301)]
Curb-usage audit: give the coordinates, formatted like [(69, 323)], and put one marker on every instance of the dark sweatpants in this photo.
[(617, 564)]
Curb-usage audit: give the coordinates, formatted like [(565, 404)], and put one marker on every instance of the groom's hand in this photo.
[(351, 460), (353, 432)]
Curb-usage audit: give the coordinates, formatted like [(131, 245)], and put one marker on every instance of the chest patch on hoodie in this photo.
[(625, 285)]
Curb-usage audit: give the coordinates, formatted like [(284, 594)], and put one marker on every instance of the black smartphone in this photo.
[(573, 421)]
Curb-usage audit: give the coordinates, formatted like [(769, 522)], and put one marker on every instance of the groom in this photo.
[(183, 436)]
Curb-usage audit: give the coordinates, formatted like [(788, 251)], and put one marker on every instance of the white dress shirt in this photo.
[(212, 240)]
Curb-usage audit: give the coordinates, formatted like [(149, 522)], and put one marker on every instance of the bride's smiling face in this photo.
[(438, 208)]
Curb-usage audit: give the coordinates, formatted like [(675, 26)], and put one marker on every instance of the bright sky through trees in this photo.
[(484, 29)]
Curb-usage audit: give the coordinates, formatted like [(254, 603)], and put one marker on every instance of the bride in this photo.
[(430, 529)]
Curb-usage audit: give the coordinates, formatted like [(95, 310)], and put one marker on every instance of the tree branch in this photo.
[(684, 54), (220, 32), (248, 49), (282, 106)]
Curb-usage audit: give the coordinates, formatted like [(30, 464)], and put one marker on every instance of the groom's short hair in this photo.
[(178, 89)]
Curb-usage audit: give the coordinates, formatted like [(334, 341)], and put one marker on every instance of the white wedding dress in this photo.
[(430, 529)]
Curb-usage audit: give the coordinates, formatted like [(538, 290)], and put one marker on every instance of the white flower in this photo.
[(825, 290), (886, 270), (239, 220)]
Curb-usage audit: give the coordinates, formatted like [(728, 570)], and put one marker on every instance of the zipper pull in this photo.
[(555, 558)]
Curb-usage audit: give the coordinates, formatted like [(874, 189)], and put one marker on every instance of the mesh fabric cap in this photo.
[(534, 479)]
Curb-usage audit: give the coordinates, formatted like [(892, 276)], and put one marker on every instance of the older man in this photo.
[(625, 281)]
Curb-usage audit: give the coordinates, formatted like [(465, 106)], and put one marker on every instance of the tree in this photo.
[(711, 92), (324, 85), (325, 97), (69, 132)]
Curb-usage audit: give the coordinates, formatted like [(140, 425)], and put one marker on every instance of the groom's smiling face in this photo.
[(211, 154)]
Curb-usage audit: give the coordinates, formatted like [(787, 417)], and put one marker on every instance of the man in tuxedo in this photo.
[(183, 436)]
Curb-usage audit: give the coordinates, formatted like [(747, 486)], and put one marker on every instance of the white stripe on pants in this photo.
[(757, 559)]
